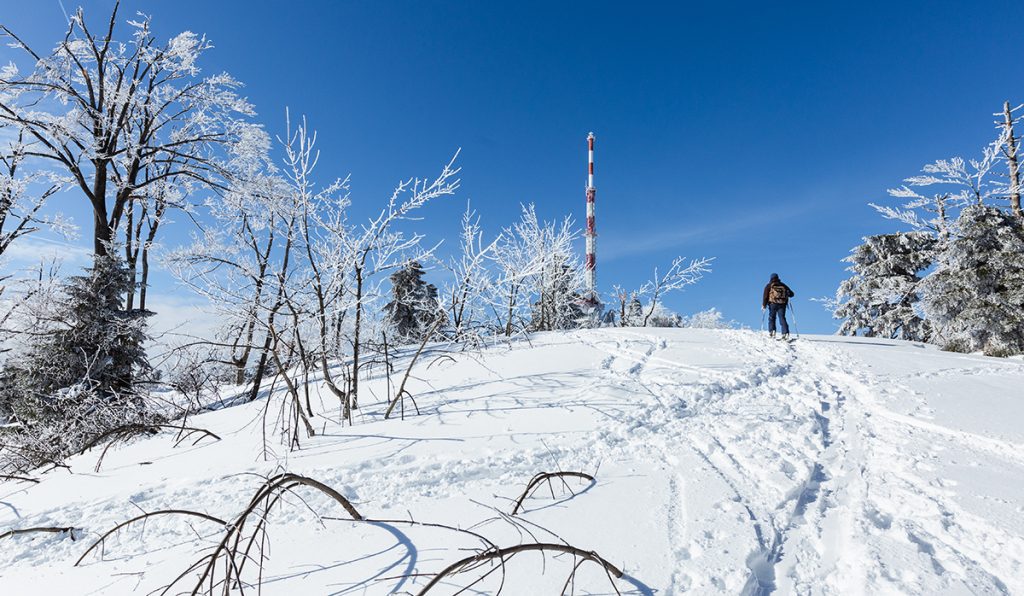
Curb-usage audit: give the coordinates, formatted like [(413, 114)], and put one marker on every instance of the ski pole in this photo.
[(764, 315), (796, 327)]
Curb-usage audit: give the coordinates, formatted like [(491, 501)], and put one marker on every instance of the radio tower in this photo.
[(591, 234)]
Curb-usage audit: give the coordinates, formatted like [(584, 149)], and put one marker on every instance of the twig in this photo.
[(142, 517)]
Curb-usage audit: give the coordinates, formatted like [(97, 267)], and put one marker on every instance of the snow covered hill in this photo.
[(723, 462)]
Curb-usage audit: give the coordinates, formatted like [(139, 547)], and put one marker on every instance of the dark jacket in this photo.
[(775, 282)]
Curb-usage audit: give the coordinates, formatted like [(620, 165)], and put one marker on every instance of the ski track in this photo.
[(802, 445), (822, 531)]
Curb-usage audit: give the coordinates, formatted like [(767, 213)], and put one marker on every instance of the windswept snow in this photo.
[(724, 462)]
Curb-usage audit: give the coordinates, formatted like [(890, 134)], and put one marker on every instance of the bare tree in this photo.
[(680, 275), (378, 246), (536, 268), (230, 261), (117, 119), (467, 294)]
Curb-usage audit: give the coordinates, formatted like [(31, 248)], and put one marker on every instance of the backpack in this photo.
[(777, 294)]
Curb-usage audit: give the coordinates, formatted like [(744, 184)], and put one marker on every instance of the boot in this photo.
[(771, 334), (785, 336)]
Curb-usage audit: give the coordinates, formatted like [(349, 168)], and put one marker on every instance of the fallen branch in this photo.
[(54, 530), (228, 549), (548, 476), (142, 517), (18, 478), (503, 554), (123, 433)]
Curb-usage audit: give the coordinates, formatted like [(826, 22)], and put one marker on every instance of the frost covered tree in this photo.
[(663, 317), (958, 183), (378, 246), (20, 204), (634, 313), (76, 378), (559, 302), (538, 283), (122, 117), (881, 297), (467, 296), (231, 261), (413, 308), (711, 318), (975, 295), (23, 193), (679, 275)]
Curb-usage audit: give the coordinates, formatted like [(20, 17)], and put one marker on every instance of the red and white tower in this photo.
[(591, 234)]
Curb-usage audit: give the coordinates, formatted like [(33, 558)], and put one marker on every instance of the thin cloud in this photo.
[(32, 250), (647, 242)]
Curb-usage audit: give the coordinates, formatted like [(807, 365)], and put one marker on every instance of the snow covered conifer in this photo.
[(634, 313), (880, 298), (97, 343), (974, 298), (413, 307), (78, 379)]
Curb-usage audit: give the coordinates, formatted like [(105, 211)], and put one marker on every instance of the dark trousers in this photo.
[(777, 310)]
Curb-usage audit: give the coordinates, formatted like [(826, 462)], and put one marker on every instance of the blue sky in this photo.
[(753, 132)]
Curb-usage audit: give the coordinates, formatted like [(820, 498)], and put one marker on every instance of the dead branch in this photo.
[(51, 530), (548, 476), (502, 555), (18, 478), (127, 431), (123, 524), (440, 358), (402, 392), (228, 549)]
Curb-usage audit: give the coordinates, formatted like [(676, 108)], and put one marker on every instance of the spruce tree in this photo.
[(413, 307), (975, 296), (77, 379), (96, 348), (881, 298), (634, 313)]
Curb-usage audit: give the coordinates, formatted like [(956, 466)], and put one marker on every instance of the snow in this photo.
[(724, 462)]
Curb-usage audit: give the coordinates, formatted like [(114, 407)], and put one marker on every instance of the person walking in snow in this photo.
[(776, 298)]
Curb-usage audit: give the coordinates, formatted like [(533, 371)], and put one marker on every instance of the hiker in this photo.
[(776, 298)]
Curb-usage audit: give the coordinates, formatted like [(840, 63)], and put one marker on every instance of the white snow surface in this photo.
[(724, 462)]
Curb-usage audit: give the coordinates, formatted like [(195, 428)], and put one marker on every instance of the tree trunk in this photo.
[(101, 228), (1011, 159), (354, 393)]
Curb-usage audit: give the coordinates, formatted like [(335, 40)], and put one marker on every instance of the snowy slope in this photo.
[(724, 462)]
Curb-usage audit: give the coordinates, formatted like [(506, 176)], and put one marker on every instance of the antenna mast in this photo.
[(591, 233)]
